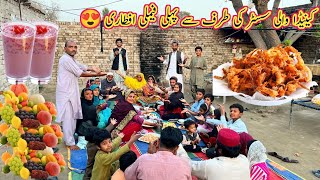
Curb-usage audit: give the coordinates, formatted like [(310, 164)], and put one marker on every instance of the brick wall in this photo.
[(143, 47), (308, 45), (9, 11), (155, 42), (89, 47)]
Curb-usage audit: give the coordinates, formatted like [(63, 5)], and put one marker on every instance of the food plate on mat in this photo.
[(169, 124), (173, 120), (150, 137), (181, 121), (151, 116), (150, 121), (147, 126)]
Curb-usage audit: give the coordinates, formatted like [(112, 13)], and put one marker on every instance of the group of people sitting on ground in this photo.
[(111, 118)]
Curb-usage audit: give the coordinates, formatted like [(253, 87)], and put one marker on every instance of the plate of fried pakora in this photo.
[(149, 137), (264, 77)]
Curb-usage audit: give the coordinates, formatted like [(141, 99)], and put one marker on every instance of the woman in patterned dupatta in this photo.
[(128, 120), (150, 92), (257, 158)]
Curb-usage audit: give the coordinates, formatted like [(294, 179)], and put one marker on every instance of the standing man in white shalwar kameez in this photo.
[(120, 62), (67, 92), (175, 58)]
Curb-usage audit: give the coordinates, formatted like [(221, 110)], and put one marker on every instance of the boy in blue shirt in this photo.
[(194, 110)]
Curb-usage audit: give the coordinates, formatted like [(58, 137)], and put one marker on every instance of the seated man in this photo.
[(164, 164), (109, 86), (229, 165), (169, 90)]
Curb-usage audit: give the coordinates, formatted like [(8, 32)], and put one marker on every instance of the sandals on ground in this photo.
[(284, 159)]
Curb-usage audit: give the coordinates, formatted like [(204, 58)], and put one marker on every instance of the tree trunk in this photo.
[(275, 7), (254, 34), (296, 36), (272, 38), (289, 34)]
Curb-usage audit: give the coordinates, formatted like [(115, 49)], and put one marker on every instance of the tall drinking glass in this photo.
[(18, 40), (43, 52)]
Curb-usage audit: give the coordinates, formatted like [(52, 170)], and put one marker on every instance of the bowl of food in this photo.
[(149, 137), (181, 121)]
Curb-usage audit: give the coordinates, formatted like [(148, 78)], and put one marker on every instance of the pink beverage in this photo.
[(43, 52), (18, 39)]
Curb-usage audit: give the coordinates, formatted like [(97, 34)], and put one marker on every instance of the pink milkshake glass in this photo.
[(43, 52), (18, 39)]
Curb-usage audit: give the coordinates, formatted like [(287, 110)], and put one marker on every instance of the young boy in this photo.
[(193, 111), (198, 67), (92, 149), (125, 161), (208, 99), (235, 123), (106, 158), (191, 138)]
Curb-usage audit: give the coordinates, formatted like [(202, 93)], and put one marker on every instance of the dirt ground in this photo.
[(270, 125)]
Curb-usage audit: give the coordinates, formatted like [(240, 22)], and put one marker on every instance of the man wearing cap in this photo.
[(229, 165), (109, 86)]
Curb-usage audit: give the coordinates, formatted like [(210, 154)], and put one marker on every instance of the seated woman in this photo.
[(128, 119), (150, 92), (105, 112), (87, 125), (173, 106), (257, 158), (135, 83), (89, 112)]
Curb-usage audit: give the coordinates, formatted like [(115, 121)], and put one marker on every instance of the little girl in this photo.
[(191, 138), (203, 127), (210, 136)]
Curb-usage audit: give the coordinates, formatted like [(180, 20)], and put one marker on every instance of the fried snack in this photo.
[(169, 124), (275, 72), (149, 138)]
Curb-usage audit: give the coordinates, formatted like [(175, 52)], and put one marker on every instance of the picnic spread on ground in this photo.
[(129, 127)]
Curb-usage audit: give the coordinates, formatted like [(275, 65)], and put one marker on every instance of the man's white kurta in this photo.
[(172, 70), (69, 71)]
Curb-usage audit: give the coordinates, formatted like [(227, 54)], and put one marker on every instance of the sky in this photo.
[(197, 8)]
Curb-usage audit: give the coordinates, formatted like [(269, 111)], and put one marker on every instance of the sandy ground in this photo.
[(270, 125)]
